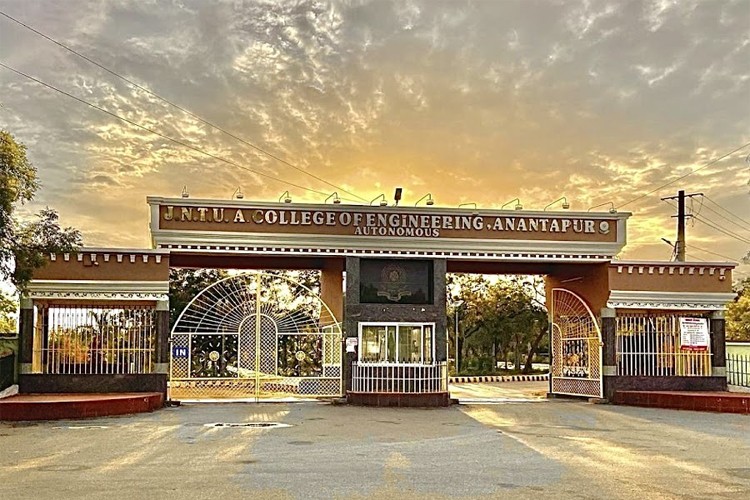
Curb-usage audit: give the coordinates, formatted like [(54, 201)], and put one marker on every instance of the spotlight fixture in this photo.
[(286, 197), (397, 195), (238, 194), (467, 205), (380, 197), (185, 193), (517, 206), (429, 201), (612, 208), (335, 196), (565, 205)]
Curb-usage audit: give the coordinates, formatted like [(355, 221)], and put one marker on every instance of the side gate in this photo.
[(576, 346), (255, 336)]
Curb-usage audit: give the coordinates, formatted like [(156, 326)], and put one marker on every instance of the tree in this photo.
[(23, 245), (738, 313), (496, 319), (7, 308), (185, 284)]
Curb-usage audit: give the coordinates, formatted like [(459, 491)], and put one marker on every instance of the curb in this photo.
[(499, 378)]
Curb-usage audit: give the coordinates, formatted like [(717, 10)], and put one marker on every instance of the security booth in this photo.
[(98, 320)]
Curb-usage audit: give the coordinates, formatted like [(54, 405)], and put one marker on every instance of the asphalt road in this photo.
[(514, 449)]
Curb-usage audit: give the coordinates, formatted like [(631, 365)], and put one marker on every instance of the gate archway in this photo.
[(255, 335), (576, 346)]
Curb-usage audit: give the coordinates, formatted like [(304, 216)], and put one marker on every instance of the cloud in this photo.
[(471, 101)]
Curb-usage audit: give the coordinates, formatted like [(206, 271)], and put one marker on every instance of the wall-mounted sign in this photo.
[(179, 352), (351, 344), (390, 222), (694, 334)]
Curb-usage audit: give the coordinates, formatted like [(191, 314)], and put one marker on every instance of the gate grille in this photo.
[(576, 346), (256, 335)]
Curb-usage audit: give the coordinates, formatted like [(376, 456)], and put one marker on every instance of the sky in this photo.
[(474, 102)]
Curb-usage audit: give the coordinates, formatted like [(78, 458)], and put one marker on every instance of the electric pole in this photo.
[(680, 243)]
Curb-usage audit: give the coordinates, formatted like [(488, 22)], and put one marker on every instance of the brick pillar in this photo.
[(26, 336), (718, 347), (332, 288), (161, 354), (609, 350)]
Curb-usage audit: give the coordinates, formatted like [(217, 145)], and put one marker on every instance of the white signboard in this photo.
[(694, 333), (351, 344)]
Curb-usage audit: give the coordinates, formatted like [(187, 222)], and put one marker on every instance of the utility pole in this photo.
[(680, 243)]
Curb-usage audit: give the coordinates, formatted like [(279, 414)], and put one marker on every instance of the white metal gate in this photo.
[(576, 346), (255, 335)]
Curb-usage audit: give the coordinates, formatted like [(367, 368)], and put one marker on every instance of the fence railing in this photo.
[(83, 340), (649, 346), (738, 370), (399, 378)]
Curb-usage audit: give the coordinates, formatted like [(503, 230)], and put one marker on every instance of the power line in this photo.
[(713, 253), (683, 176), (727, 211), (184, 110), (715, 225), (163, 136), (744, 228)]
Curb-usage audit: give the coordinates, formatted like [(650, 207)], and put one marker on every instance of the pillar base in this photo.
[(426, 400)]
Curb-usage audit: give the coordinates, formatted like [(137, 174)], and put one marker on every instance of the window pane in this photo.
[(410, 344), (392, 346), (373, 343), (428, 344)]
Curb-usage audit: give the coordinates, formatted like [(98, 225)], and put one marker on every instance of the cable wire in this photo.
[(713, 253), (184, 110), (713, 224), (147, 129), (727, 211), (716, 160)]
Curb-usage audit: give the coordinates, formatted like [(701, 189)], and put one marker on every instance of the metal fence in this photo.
[(399, 378), (73, 339), (738, 370), (649, 346)]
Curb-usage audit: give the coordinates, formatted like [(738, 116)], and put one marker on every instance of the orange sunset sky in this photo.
[(483, 102)]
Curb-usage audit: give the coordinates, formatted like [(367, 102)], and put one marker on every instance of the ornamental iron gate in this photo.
[(576, 346), (255, 335)]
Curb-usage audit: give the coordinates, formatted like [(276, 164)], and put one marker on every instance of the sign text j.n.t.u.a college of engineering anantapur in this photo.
[(388, 222)]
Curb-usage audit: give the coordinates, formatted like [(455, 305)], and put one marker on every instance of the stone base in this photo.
[(434, 399), (613, 384), (55, 384)]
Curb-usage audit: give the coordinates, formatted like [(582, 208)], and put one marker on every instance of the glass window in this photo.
[(396, 343)]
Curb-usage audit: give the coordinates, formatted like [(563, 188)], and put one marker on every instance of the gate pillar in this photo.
[(332, 287), (718, 345), (161, 353), (26, 335)]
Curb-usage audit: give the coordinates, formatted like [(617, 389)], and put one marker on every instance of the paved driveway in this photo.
[(518, 450)]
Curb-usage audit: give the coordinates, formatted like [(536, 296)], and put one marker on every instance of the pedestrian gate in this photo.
[(576, 346), (253, 336)]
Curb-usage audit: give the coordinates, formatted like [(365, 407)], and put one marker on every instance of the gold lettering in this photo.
[(169, 214), (565, 225), (521, 225), (319, 218), (238, 217), (306, 219), (202, 214), (478, 223), (589, 226), (218, 214), (258, 216), (554, 226), (186, 214), (331, 219)]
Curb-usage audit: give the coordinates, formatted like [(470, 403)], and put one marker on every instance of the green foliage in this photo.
[(23, 246), (738, 313), (8, 307), (496, 319), (185, 284)]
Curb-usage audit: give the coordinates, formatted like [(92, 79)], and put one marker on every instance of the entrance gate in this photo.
[(255, 335), (576, 346)]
